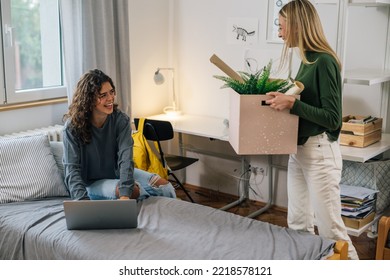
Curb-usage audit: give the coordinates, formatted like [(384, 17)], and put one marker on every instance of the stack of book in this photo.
[(357, 205)]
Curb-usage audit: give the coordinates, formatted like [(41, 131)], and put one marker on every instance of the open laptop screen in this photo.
[(101, 214)]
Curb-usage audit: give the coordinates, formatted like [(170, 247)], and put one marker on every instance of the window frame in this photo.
[(8, 94)]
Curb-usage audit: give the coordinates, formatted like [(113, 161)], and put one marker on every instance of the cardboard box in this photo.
[(360, 135), (257, 129), (358, 223)]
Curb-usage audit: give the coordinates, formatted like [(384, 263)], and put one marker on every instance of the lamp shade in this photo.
[(158, 78)]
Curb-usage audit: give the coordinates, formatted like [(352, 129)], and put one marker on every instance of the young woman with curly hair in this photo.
[(314, 172), (98, 147)]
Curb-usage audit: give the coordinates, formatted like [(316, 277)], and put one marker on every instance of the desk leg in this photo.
[(244, 186), (270, 191), (181, 145), (181, 153)]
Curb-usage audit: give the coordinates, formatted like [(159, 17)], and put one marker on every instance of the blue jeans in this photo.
[(105, 188)]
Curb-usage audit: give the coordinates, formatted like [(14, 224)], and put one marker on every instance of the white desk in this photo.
[(209, 127), (214, 128)]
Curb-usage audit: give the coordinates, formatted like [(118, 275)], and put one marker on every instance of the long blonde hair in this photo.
[(304, 31)]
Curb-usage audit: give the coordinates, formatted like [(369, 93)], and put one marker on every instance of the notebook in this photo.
[(101, 214)]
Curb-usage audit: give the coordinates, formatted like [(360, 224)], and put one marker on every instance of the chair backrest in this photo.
[(156, 130)]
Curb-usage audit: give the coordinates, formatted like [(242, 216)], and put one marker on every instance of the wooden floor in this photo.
[(364, 245)]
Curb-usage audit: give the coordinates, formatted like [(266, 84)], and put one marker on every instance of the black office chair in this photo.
[(155, 130)]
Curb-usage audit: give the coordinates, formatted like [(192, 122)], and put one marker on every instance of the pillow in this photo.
[(28, 169), (57, 148)]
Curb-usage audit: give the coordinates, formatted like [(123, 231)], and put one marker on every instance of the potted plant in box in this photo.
[(257, 83), (254, 128)]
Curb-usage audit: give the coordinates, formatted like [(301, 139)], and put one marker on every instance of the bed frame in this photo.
[(382, 249), (340, 251)]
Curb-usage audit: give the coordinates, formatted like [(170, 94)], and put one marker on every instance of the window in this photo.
[(31, 50)]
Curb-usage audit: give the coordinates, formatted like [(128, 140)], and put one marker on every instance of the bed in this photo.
[(33, 226), (168, 229)]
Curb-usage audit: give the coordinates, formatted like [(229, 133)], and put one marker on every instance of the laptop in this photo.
[(101, 214)]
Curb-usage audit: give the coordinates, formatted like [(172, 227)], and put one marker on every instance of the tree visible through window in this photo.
[(28, 51)]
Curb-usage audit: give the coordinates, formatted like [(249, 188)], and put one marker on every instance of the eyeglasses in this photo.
[(104, 95)]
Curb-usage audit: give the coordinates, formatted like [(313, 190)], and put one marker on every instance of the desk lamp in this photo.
[(158, 80)]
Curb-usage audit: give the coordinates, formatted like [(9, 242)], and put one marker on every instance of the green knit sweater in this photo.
[(320, 105)]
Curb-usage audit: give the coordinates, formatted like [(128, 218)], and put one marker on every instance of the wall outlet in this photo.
[(257, 170)]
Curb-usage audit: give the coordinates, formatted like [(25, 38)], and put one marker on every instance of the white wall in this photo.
[(149, 29), (198, 29), (31, 118), (203, 29), (366, 47)]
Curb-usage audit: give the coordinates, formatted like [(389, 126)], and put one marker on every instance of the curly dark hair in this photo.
[(83, 102)]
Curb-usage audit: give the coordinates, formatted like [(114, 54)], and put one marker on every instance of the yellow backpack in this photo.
[(143, 156)]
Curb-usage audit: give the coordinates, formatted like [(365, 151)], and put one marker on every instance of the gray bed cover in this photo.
[(168, 229)]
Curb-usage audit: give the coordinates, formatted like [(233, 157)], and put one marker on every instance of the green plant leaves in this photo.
[(257, 83)]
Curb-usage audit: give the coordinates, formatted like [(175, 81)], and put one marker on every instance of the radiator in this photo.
[(53, 132)]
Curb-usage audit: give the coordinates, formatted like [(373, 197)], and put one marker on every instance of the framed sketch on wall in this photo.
[(242, 31), (274, 7)]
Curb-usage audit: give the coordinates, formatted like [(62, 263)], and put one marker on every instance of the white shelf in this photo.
[(358, 232), (366, 76), (326, 2), (369, 2), (366, 153)]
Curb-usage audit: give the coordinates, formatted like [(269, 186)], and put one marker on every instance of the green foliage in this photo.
[(26, 21), (258, 83)]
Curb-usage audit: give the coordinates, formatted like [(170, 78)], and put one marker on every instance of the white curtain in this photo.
[(96, 35)]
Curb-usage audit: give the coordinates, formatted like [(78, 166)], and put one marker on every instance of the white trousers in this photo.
[(314, 174)]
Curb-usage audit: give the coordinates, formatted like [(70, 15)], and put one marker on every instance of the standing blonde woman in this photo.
[(314, 172)]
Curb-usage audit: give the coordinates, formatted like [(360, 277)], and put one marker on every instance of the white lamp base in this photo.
[(171, 111)]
